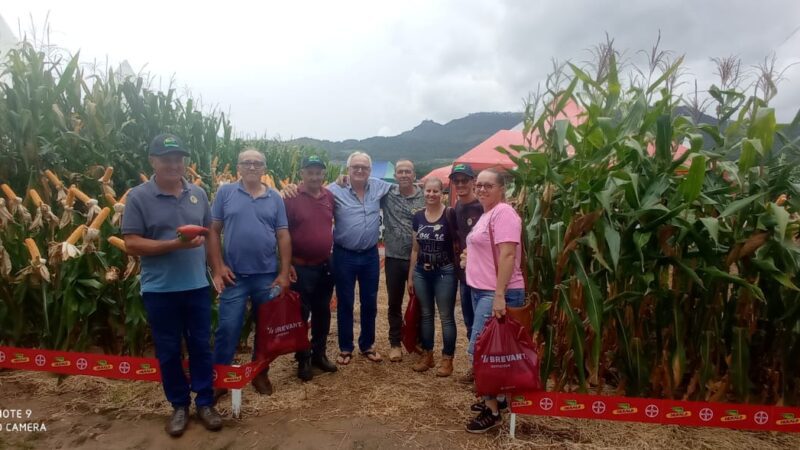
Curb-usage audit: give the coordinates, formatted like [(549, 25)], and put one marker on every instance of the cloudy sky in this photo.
[(354, 69)]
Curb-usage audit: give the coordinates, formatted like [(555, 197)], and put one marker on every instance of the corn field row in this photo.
[(663, 250)]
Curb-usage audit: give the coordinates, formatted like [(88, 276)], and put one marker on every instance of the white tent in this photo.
[(7, 38)]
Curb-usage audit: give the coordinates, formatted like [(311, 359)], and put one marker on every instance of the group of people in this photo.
[(313, 239)]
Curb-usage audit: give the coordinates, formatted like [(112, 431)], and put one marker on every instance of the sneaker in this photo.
[(484, 422), (481, 405)]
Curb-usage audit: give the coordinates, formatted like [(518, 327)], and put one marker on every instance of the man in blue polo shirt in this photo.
[(355, 254), (252, 217), (173, 279)]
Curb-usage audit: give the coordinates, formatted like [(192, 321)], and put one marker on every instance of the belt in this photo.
[(355, 251), (297, 261), (428, 267)]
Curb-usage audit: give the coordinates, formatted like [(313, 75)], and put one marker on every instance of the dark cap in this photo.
[(312, 160), (466, 169), (165, 143)]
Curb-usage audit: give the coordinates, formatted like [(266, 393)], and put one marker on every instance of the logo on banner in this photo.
[(572, 405), (102, 365), (19, 358), (40, 360), (60, 361), (598, 407), (678, 412), (706, 414), (2, 356), (82, 364), (248, 371), (761, 417), (651, 411), (520, 401), (124, 367), (232, 377), (546, 403), (732, 415), (788, 419), (145, 369), (624, 408)]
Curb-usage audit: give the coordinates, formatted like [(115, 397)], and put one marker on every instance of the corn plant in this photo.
[(663, 250)]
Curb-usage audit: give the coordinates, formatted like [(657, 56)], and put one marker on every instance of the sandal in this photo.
[(372, 355), (344, 358)]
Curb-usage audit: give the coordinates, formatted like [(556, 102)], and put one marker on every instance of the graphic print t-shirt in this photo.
[(435, 239)]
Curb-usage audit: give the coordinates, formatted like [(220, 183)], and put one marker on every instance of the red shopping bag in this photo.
[(280, 327), (410, 330), (505, 360)]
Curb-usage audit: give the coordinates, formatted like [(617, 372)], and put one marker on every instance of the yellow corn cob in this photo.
[(143, 177), (101, 217), (10, 194), (37, 201), (124, 197), (117, 242), (107, 175), (70, 200), (198, 182), (53, 179), (77, 234), (79, 194), (110, 199), (192, 172), (33, 250), (781, 200)]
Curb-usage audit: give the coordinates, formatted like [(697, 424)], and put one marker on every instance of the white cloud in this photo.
[(349, 69)]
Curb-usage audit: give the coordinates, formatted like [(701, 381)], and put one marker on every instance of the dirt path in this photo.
[(363, 406)]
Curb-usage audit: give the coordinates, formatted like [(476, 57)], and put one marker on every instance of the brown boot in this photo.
[(425, 362), (445, 367), (262, 384)]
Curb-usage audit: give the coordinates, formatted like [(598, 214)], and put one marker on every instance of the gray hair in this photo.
[(251, 150), (355, 154)]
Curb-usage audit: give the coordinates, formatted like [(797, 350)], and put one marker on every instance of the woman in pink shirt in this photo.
[(493, 273)]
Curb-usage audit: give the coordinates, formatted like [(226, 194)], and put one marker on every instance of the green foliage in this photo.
[(664, 271)]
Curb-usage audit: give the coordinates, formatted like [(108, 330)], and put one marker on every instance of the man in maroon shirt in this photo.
[(310, 216)]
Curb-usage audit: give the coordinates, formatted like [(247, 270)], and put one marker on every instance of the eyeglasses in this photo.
[(461, 180), (484, 186), (253, 164), (360, 168)]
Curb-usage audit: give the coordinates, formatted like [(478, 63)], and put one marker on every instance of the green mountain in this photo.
[(429, 141)]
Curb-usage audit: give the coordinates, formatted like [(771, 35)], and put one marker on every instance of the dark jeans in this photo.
[(349, 267), (437, 289), (173, 316), (315, 286), (396, 278), (466, 306)]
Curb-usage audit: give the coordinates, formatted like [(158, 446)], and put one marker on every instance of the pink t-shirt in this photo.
[(507, 227)]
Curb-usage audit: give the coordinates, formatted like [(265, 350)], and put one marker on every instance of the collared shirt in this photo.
[(156, 215), (249, 227), (356, 223), (398, 212), (311, 224)]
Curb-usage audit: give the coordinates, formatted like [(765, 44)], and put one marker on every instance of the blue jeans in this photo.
[(350, 266), (315, 286), (482, 305), (466, 306), (232, 306), (437, 289), (182, 315)]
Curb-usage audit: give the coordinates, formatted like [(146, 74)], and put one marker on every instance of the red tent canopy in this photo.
[(442, 173), (484, 154)]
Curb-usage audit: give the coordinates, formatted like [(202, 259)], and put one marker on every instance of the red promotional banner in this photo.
[(672, 412), (110, 366)]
